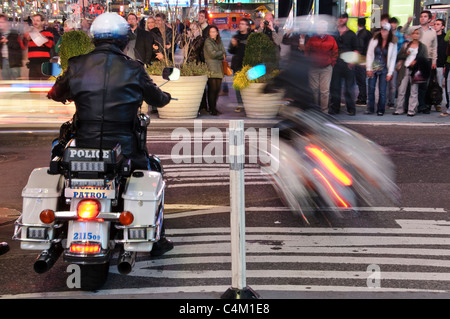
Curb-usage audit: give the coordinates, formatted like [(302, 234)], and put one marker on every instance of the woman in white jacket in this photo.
[(381, 59)]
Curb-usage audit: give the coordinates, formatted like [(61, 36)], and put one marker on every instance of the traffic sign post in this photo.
[(239, 288)]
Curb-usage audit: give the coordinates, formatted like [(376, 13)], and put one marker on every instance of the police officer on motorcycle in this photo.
[(108, 88)]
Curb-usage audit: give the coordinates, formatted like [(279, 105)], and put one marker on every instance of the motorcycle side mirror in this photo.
[(256, 72), (171, 74), (51, 69)]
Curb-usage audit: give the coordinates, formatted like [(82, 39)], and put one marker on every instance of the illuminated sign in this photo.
[(172, 3), (219, 21)]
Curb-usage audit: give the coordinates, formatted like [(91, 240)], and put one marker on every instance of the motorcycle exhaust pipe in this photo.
[(4, 248), (47, 258), (126, 262)]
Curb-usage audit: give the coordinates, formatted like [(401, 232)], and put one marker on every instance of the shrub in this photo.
[(260, 50), (74, 43), (186, 69)]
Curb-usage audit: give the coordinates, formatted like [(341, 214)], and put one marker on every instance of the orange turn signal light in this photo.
[(126, 218), (47, 216)]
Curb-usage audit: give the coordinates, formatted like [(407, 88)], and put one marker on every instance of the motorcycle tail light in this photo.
[(85, 248), (330, 165), (340, 202), (88, 209)]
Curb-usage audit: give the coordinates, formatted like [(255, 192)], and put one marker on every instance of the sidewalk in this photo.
[(45, 114), (8, 215), (228, 103)]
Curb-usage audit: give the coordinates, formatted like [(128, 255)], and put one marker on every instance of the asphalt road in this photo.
[(335, 257)]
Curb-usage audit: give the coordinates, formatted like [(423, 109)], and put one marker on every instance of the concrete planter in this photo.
[(260, 105), (189, 92)]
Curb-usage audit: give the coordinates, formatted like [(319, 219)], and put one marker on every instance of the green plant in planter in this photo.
[(241, 81), (186, 69), (259, 50), (74, 43)]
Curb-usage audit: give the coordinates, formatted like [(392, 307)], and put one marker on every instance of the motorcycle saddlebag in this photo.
[(41, 192), (144, 198)]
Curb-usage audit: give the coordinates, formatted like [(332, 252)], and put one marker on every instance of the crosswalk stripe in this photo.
[(292, 240), (213, 175), (359, 275), (281, 259), (423, 227), (221, 248)]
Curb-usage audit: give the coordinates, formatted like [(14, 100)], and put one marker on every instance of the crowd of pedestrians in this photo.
[(404, 69), (395, 67)]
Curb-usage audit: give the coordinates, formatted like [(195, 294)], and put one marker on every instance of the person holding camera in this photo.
[(269, 28)]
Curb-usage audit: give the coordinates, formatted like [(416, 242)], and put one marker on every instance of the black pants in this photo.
[(342, 73), (214, 85), (447, 69), (423, 92), (360, 77)]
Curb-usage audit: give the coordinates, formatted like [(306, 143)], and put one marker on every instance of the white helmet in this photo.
[(109, 25)]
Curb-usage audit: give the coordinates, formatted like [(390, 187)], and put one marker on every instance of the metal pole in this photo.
[(239, 288), (237, 204)]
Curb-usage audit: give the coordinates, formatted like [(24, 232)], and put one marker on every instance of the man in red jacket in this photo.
[(40, 43), (323, 51)]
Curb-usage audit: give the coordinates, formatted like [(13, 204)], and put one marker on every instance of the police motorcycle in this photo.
[(88, 203), (326, 167), (322, 165)]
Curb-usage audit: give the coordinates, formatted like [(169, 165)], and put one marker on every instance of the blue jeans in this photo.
[(382, 84)]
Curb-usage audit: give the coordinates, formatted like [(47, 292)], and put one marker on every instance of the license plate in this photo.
[(91, 191), (87, 231)]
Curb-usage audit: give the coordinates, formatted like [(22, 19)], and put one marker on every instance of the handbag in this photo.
[(433, 95), (226, 68)]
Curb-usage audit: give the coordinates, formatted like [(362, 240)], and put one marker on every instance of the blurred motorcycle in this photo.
[(322, 164)]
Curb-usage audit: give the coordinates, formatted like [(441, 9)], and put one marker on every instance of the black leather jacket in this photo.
[(108, 88)]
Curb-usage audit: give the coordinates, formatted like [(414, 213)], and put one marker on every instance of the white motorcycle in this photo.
[(87, 204)]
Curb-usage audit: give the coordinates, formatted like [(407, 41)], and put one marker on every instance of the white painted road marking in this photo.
[(270, 248)]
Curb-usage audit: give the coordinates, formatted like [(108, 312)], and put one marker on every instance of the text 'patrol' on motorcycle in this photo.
[(91, 201)]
